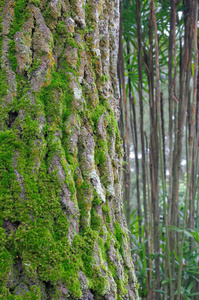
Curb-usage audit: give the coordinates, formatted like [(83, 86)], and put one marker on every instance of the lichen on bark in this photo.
[(63, 233)]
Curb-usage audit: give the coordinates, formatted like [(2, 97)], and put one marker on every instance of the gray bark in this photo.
[(63, 233)]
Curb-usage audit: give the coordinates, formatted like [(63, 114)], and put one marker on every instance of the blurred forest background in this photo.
[(159, 124)]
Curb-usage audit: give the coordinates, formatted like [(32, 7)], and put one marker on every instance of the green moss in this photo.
[(118, 233), (101, 156), (5, 294), (4, 86), (111, 124), (35, 2), (57, 93), (96, 220), (42, 201), (60, 228), (106, 210), (72, 265), (108, 239), (85, 197), (34, 66), (21, 14), (5, 259), (96, 200), (122, 286), (71, 41), (104, 78), (89, 16), (33, 294), (79, 60), (100, 151), (113, 269), (61, 28), (11, 55), (97, 281), (69, 181), (98, 112), (103, 249)]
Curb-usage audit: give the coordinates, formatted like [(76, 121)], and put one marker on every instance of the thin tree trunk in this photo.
[(135, 143), (163, 133), (165, 216), (184, 88), (171, 97), (154, 159), (127, 141), (193, 17), (156, 143), (149, 295), (139, 53), (171, 82)]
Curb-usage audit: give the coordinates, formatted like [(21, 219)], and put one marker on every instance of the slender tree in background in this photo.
[(141, 115), (125, 134), (193, 10), (63, 234), (135, 144), (158, 118)]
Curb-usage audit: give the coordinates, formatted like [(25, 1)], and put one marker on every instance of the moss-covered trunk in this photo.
[(62, 229)]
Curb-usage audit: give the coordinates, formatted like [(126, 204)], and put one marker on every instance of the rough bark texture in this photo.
[(63, 233)]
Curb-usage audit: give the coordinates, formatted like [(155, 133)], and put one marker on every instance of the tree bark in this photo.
[(63, 233)]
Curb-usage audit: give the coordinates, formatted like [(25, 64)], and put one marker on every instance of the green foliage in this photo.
[(190, 268)]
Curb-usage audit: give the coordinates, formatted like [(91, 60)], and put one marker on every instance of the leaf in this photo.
[(165, 281), (190, 287), (160, 291), (197, 223), (194, 294)]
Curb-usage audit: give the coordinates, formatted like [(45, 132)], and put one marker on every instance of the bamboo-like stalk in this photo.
[(154, 165), (163, 132), (172, 43), (162, 168), (141, 111), (185, 68), (166, 223), (193, 10), (135, 143), (150, 226), (159, 143)]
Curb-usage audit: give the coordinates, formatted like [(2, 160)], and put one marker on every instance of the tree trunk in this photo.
[(63, 232), (155, 137), (125, 137)]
